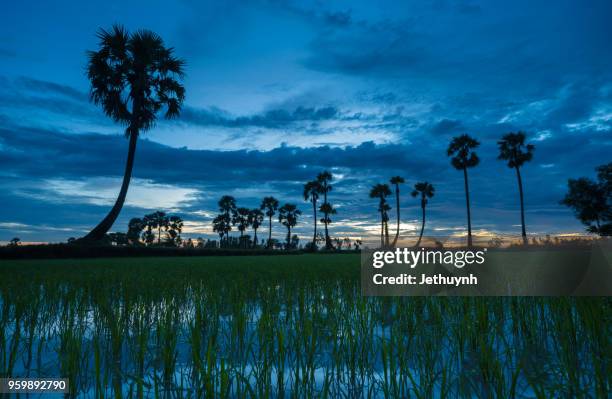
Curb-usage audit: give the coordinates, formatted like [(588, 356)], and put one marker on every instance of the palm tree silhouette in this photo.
[(311, 193), (269, 205), (227, 207), (255, 220), (241, 220), (324, 179), (512, 148), (425, 190), (157, 221), (133, 77), (396, 181), (288, 216), (382, 191), (461, 149)]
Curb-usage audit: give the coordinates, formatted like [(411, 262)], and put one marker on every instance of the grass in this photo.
[(287, 326)]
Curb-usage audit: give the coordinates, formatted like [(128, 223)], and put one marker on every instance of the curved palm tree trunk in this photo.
[(255, 238), (314, 236), (467, 202), (520, 184), (288, 238), (422, 227), (104, 226), (397, 206)]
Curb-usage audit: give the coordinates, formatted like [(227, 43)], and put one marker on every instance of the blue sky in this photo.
[(278, 91)]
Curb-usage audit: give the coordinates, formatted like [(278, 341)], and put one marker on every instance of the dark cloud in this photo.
[(50, 87), (447, 126), (270, 119)]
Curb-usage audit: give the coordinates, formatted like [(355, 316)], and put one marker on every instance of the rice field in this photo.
[(287, 327)]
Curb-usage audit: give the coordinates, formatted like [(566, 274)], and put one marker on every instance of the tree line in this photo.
[(134, 77)]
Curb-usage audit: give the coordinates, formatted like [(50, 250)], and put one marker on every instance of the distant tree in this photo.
[(15, 241), (269, 205), (157, 221), (133, 77), (425, 190), (295, 241), (148, 236), (118, 238), (396, 181), (175, 228), (512, 148), (135, 228), (241, 221), (324, 179), (227, 207), (461, 151), (288, 216), (381, 192), (222, 225), (255, 220), (592, 200), (311, 194)]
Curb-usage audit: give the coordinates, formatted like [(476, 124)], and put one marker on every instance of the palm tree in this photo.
[(227, 207), (269, 205), (241, 219), (255, 220), (425, 190), (396, 181), (311, 193), (175, 227), (324, 179), (288, 216), (382, 191), (157, 220), (512, 148), (461, 149), (222, 226), (133, 77)]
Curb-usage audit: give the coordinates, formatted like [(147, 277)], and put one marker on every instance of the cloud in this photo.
[(447, 126), (273, 119)]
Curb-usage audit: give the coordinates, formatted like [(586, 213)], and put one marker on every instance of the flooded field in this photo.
[(287, 326)]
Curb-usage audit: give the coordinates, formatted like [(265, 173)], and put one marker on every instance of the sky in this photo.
[(278, 91)]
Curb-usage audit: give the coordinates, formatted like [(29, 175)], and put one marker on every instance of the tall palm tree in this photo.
[(425, 190), (133, 77), (396, 181), (311, 193), (461, 149), (324, 179), (288, 216), (269, 205), (255, 220), (512, 148), (381, 192)]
